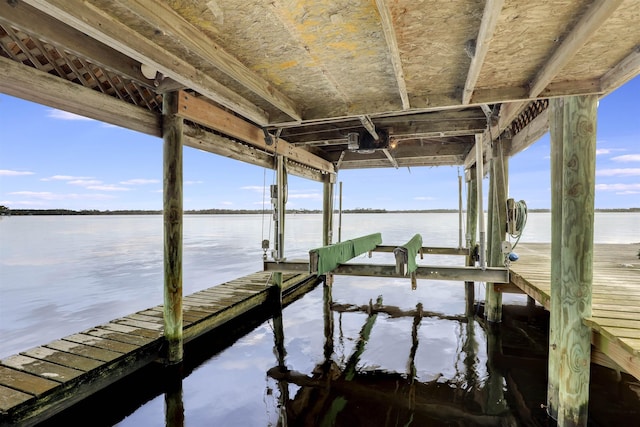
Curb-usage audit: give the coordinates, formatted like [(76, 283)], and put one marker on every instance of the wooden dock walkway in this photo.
[(42, 381), (615, 320)]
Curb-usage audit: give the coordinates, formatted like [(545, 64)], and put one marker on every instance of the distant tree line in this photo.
[(6, 211)]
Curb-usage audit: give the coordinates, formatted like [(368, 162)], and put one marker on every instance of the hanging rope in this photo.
[(520, 220)]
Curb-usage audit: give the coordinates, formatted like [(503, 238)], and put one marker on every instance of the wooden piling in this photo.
[(281, 205), (498, 226), (576, 257), (172, 204), (472, 226), (555, 127), (327, 210)]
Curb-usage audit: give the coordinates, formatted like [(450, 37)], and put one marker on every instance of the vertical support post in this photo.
[(472, 223), (280, 207), (327, 210), (459, 211), (556, 125), (340, 216), (576, 257), (479, 176), (172, 212), (498, 230)]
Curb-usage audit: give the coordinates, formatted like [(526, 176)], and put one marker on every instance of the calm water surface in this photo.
[(343, 366)]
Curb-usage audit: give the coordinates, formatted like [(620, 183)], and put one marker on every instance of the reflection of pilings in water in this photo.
[(470, 349), (328, 322), (350, 370), (496, 403), (280, 352), (411, 371), (442, 408), (173, 403), (394, 312), (365, 333)]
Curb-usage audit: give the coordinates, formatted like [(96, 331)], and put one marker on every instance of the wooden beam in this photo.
[(35, 23), (529, 134), (34, 85), (394, 52), (489, 274), (626, 69), (428, 250), (172, 211), (204, 113), (586, 27), (490, 17), (102, 26), (201, 139), (171, 25)]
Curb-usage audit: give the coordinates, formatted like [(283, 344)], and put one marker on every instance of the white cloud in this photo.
[(619, 172), (423, 198), (65, 178), (226, 203), (618, 187), (6, 172), (107, 187), (627, 158), (46, 195), (601, 151), (193, 182), (256, 188), (140, 181), (64, 115), (628, 192), (84, 182)]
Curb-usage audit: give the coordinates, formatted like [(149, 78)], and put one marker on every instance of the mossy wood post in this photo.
[(556, 126), (172, 182), (498, 226), (472, 226), (576, 257)]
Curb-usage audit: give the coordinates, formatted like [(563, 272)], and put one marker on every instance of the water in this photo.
[(60, 275)]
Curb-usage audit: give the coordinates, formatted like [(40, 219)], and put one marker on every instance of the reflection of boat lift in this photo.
[(398, 398)]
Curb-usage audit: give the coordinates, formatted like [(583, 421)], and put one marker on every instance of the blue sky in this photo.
[(52, 159)]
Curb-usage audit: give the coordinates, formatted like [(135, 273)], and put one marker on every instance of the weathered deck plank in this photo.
[(44, 380), (615, 320)]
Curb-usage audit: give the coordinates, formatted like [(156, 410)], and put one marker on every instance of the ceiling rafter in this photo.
[(586, 27), (394, 52), (626, 69), (490, 17), (166, 20), (103, 27)]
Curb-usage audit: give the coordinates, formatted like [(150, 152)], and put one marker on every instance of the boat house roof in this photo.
[(330, 84)]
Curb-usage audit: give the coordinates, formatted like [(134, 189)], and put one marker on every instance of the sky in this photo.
[(50, 159)]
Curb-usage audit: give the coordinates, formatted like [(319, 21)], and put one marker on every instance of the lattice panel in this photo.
[(30, 51)]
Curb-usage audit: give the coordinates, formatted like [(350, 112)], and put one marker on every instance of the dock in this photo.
[(45, 380), (615, 318)]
